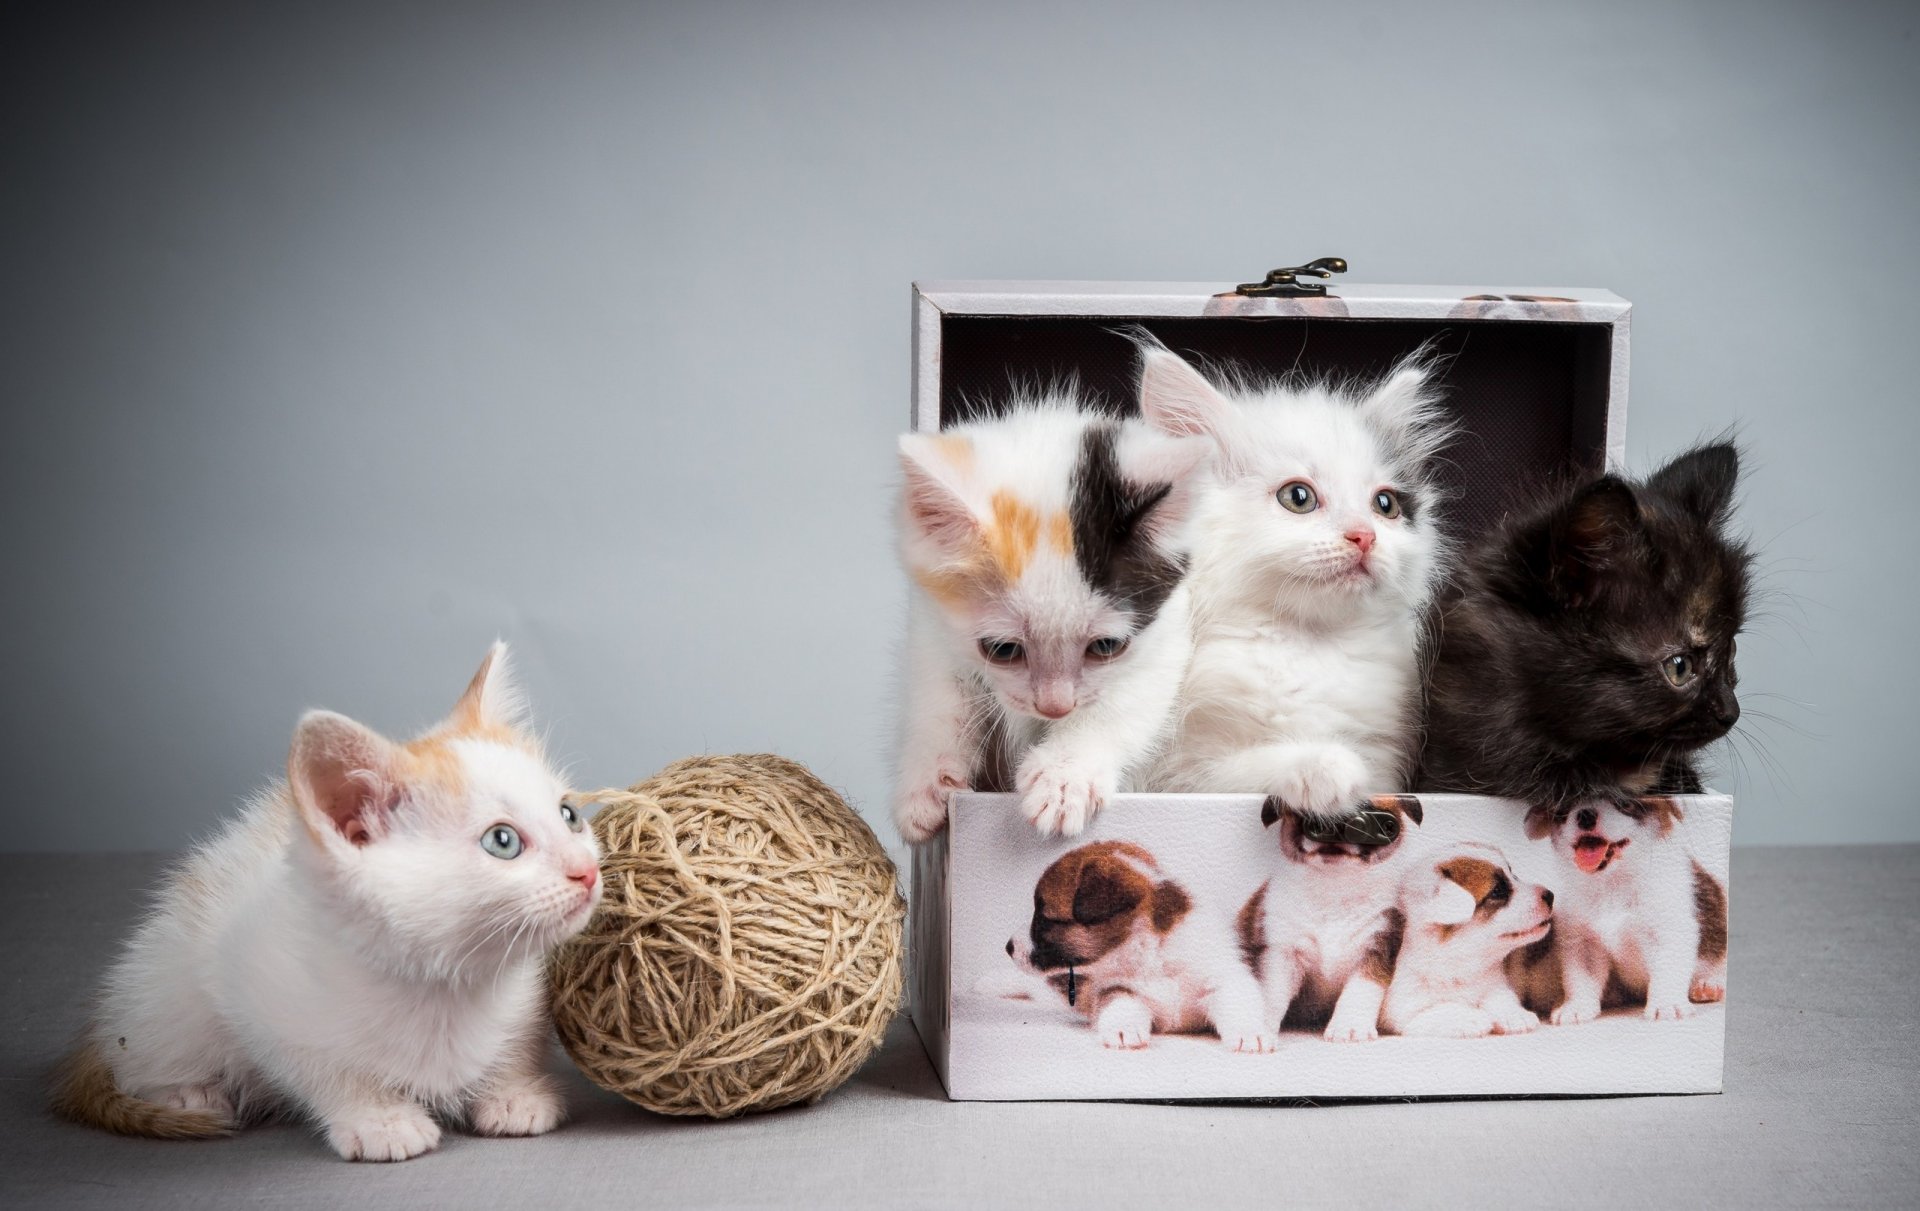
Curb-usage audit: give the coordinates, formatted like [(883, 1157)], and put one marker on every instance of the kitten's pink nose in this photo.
[(1362, 537), (1054, 701), (585, 874)]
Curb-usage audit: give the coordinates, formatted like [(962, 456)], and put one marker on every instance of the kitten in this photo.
[(362, 946), (1049, 631), (1317, 552), (1588, 652)]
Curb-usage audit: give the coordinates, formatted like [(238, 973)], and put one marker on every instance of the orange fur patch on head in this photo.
[(431, 762), (958, 451), (1060, 533), (1012, 534), (1474, 874)]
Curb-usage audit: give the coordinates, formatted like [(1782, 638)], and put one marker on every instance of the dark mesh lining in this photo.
[(1531, 396)]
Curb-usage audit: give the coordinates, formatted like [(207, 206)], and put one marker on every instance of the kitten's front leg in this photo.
[(1071, 774), (937, 746), (519, 1098), (365, 1122), (1324, 780)]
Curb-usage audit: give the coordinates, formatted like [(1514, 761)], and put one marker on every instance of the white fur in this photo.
[(1635, 919), (1303, 679), (1450, 978), (1319, 922), (957, 701), (363, 985)]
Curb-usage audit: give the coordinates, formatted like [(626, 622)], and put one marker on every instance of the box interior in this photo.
[(1531, 396)]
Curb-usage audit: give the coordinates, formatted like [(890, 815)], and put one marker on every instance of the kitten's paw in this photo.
[(921, 810), (1061, 796), (1667, 1011), (1573, 1013), (209, 1097), (1124, 1025), (384, 1133), (1351, 1032), (1517, 1021), (531, 1107), (1705, 991), (1326, 781)]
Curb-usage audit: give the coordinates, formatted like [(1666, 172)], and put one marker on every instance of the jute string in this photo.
[(747, 951)]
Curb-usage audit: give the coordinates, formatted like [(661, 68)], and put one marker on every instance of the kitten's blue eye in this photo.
[(1297, 497), (502, 842), (1002, 651), (1678, 669), (1107, 648), (1386, 502), (571, 817)]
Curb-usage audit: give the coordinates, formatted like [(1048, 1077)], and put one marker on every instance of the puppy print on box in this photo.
[(1641, 921), (1128, 948), (1460, 917), (1320, 932)]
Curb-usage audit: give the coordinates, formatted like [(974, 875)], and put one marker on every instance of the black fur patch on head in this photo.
[(1111, 542), (1547, 680)]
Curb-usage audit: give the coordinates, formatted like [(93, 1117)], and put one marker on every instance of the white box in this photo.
[(1538, 379), (996, 1034)]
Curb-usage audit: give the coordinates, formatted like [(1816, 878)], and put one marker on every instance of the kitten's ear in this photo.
[(1161, 470), (344, 778), (1590, 539), (492, 698), (935, 505), (1701, 480), (1405, 409), (1174, 397)]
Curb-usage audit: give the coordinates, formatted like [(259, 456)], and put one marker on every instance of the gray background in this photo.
[(337, 342)]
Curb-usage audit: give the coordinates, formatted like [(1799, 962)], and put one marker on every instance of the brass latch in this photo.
[(1286, 283)]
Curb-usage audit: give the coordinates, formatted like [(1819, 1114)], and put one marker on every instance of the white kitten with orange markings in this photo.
[(363, 946), (1049, 633), (1316, 553)]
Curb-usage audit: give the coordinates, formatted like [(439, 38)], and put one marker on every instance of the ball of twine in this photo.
[(747, 951)]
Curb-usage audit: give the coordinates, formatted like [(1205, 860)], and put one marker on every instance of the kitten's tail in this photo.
[(84, 1091)]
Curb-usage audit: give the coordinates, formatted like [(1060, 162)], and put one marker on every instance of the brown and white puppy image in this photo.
[(1639, 920), (1463, 914), (1129, 949), (1320, 932)]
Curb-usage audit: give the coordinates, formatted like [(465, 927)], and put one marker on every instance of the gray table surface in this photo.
[(1822, 1086)]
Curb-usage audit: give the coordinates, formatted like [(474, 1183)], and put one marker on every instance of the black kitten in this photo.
[(1587, 651)]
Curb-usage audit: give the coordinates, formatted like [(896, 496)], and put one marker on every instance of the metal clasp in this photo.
[(1286, 283)]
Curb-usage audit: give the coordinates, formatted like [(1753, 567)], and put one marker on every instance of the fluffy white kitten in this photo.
[(362, 946), (1050, 630), (1315, 555)]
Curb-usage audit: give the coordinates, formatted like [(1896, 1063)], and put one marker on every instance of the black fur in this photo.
[(1545, 683), (1112, 539)]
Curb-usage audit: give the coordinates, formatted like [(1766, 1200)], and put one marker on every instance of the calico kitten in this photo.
[(1588, 652), (362, 946), (1049, 632), (1317, 549)]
